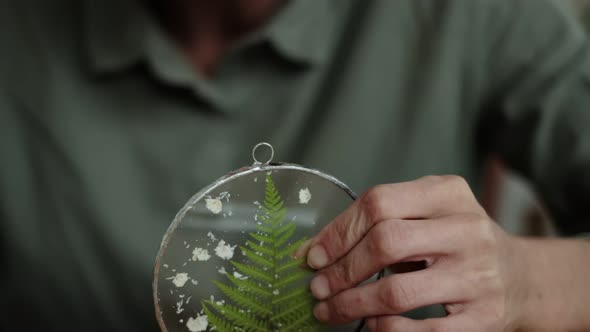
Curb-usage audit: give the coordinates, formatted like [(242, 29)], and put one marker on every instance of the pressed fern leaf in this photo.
[(271, 294), (290, 295), (289, 249), (220, 324), (247, 321), (250, 285)]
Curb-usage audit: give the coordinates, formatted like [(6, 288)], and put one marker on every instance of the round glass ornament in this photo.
[(225, 262)]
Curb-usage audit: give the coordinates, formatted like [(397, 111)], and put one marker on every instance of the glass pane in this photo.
[(226, 259)]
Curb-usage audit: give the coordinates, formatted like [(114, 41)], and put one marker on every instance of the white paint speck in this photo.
[(197, 324), (222, 270), (304, 196), (180, 279), (200, 254), (212, 236), (275, 292), (224, 251), (240, 276), (225, 195), (214, 205), (179, 308)]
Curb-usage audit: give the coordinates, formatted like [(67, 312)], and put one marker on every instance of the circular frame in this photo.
[(256, 167)]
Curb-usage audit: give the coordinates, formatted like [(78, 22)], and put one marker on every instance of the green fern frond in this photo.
[(291, 278), (298, 318), (273, 294), (221, 324), (289, 249), (252, 286), (244, 299), (239, 317), (294, 302), (264, 229), (291, 311), (258, 259), (286, 235), (254, 272), (271, 194), (290, 295), (290, 264), (284, 228), (276, 218), (273, 207), (262, 237), (304, 322), (260, 248)]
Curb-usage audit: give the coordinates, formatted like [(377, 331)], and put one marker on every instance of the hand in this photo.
[(473, 268)]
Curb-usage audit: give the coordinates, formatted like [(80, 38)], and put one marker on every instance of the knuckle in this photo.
[(338, 240), (432, 178), (386, 240), (447, 180), (481, 229), (373, 203), (342, 274), (380, 242), (485, 232), (397, 298), (454, 181), (387, 296), (456, 191), (459, 187)]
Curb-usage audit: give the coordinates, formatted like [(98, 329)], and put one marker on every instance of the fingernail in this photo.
[(302, 250), (320, 287), (317, 257), (321, 312)]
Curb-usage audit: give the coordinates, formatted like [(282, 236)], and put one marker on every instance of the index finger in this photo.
[(425, 198)]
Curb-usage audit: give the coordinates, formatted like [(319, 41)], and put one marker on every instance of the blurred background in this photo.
[(511, 201)]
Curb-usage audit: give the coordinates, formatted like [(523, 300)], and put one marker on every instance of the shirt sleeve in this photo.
[(537, 117)]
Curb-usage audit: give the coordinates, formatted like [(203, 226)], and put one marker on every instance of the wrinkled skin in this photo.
[(471, 265)]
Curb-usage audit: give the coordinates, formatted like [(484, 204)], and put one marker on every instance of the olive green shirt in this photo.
[(107, 130)]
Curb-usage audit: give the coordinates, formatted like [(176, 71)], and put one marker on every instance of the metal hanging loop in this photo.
[(258, 147)]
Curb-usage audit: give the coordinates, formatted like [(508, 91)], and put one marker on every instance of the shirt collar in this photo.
[(304, 30), (119, 34), (116, 34)]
